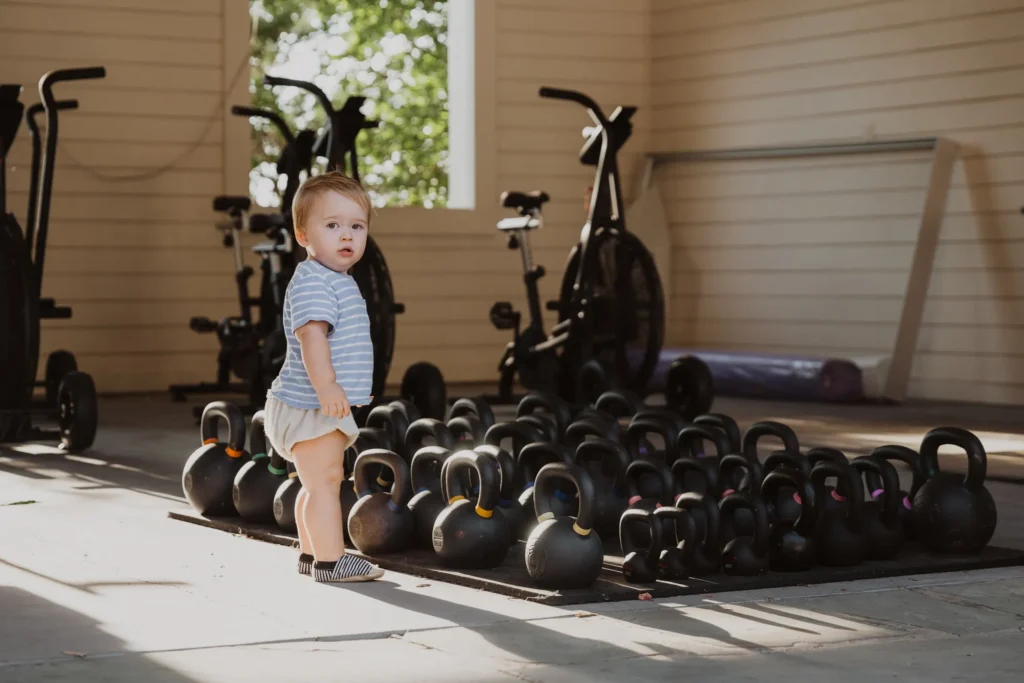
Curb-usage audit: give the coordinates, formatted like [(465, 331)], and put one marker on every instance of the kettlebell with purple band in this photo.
[(641, 551), (881, 517), (911, 459), (381, 522), (787, 504)]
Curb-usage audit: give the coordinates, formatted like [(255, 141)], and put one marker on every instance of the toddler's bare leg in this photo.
[(320, 465), (300, 505)]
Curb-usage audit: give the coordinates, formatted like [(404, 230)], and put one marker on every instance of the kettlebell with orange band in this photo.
[(210, 471)]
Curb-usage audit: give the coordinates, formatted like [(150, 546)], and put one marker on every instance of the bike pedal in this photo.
[(202, 325), (503, 316), (553, 305)]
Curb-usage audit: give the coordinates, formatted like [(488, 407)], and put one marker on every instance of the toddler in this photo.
[(327, 370)]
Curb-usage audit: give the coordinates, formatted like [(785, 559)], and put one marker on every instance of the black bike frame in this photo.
[(343, 125), (606, 197)]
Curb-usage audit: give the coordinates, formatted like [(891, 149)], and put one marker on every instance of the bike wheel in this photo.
[(627, 307), (374, 280)]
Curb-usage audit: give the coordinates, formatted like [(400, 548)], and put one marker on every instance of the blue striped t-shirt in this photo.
[(318, 293)]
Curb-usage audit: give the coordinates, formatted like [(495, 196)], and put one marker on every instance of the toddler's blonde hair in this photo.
[(316, 186)]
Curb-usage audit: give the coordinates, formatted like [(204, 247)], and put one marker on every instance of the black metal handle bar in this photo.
[(271, 116), (320, 95), (579, 98)]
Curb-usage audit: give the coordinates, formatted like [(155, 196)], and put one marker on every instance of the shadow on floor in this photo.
[(41, 640)]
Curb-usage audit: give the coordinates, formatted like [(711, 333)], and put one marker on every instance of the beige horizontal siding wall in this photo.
[(131, 244), (810, 255)]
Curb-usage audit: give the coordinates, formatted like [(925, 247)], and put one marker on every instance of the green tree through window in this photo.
[(394, 53)]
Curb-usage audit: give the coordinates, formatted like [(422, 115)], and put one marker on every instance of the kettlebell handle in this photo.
[(401, 491), (618, 403), (473, 406), (741, 501), (848, 483), (753, 468), (258, 435), (627, 532), (650, 465), (909, 457), (691, 439), (541, 451), (799, 481), (604, 450), (759, 430), (791, 459), (640, 427), (549, 403), (466, 426), (424, 428), (712, 517), (230, 413), (520, 433), (890, 485), (421, 462), (977, 460), (726, 424), (506, 468), (487, 475), (544, 492)]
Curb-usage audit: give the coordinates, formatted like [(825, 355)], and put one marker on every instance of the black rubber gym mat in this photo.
[(512, 579)]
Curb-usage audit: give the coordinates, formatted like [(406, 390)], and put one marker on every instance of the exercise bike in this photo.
[(611, 311), (253, 349), (422, 383), (70, 395)]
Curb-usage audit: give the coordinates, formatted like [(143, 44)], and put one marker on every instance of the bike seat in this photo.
[(231, 204), (267, 222), (524, 201)]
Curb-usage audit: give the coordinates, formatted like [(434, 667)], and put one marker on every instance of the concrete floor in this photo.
[(96, 583)]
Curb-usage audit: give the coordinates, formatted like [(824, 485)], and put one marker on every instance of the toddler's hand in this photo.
[(333, 401)]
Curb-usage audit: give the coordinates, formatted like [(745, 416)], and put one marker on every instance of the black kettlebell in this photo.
[(551, 407), (791, 542), (787, 505), (606, 460), (619, 403), (284, 500), (953, 513), (467, 534), (563, 552), (427, 501), (680, 527), (911, 459), (467, 430), (691, 443), (881, 517), (746, 555), (689, 386), (508, 503), (368, 438), (839, 538), (582, 428), (609, 425), (752, 438), (381, 522), (256, 483), (477, 407), (639, 447), (532, 458), (704, 553), (688, 472), (833, 498), (742, 522), (640, 556), (725, 424), (209, 473), (649, 469)]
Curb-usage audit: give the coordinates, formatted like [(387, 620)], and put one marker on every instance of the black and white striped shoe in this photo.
[(348, 569), (305, 564)]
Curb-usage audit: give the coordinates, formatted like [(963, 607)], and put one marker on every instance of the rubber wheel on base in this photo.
[(58, 364), (78, 412), (689, 387), (423, 384)]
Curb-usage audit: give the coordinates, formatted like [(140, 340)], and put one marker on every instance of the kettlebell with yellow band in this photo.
[(209, 473), (467, 534), (563, 552)]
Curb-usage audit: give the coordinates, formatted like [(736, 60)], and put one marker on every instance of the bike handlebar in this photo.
[(271, 116), (320, 95), (575, 96), (61, 105), (47, 82)]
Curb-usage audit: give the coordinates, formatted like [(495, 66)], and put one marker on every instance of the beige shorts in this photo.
[(286, 426)]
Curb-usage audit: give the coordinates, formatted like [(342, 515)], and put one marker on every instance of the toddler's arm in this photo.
[(316, 356)]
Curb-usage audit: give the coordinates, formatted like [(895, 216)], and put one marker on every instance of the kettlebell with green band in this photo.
[(256, 483)]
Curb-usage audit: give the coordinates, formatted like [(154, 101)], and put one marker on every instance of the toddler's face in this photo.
[(336, 232)]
